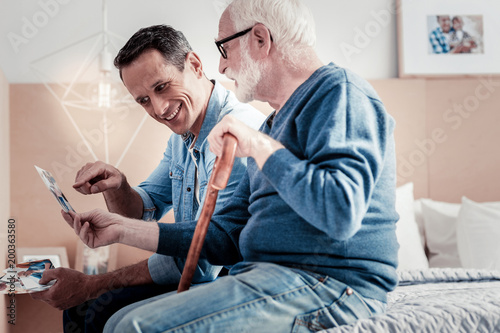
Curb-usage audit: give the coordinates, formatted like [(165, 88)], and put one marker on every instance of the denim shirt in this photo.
[(172, 183)]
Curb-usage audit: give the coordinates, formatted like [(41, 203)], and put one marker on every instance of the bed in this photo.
[(438, 300), (449, 271)]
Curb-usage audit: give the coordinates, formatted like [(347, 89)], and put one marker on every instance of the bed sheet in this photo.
[(438, 300)]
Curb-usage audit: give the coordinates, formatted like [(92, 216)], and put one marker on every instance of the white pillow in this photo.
[(411, 253), (478, 234), (419, 218), (440, 224)]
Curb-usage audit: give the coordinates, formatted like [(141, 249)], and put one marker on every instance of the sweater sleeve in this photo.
[(221, 242), (328, 180)]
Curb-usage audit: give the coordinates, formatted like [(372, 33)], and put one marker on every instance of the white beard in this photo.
[(248, 77)]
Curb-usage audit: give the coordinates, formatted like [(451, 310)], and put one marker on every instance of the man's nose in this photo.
[(158, 106), (222, 64)]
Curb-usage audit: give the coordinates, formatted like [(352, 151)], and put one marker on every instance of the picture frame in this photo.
[(95, 261), (473, 49), (57, 255)]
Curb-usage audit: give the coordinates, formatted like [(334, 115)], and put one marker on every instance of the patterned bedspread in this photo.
[(438, 300)]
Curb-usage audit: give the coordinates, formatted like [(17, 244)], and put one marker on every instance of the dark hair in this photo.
[(169, 42)]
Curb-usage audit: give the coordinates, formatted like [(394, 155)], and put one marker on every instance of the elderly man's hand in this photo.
[(251, 143)]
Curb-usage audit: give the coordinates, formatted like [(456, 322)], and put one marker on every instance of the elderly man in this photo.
[(310, 231), (166, 78)]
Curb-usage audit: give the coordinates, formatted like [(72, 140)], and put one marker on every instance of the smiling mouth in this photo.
[(173, 114)]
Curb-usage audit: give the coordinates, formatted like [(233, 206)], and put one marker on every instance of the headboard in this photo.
[(447, 135)]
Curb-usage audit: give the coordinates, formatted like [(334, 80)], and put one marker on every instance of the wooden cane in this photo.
[(218, 181)]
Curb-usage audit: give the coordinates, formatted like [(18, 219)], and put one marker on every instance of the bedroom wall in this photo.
[(405, 100), (5, 186), (462, 138), (446, 135)]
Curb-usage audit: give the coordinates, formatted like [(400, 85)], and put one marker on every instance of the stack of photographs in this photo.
[(25, 277)]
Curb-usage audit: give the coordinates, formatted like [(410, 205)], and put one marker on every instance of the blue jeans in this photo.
[(254, 297)]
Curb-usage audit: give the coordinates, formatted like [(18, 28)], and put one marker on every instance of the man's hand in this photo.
[(70, 289), (95, 228), (98, 177), (98, 228), (251, 143)]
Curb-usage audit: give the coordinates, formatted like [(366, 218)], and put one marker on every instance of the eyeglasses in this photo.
[(227, 39)]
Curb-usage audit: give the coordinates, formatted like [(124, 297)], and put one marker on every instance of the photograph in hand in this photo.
[(51, 184), (31, 272), (25, 277)]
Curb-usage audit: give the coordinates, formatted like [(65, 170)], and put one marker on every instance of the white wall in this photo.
[(4, 183), (358, 34)]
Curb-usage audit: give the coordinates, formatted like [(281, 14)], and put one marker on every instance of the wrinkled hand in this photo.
[(98, 177), (95, 228), (70, 289), (251, 143)]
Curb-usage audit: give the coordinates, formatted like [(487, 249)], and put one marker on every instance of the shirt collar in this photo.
[(214, 108)]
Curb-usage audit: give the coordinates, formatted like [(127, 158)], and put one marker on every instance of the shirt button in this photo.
[(171, 173), (189, 189), (349, 291)]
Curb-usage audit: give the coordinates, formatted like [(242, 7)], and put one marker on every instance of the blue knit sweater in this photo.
[(326, 202)]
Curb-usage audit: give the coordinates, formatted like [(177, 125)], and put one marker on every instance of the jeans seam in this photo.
[(362, 300), (198, 320)]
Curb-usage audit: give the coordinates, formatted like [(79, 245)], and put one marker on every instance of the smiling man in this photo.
[(164, 75)]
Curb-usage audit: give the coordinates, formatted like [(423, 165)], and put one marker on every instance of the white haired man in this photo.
[(310, 231)]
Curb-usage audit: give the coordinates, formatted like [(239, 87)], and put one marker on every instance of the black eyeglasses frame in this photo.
[(220, 43)]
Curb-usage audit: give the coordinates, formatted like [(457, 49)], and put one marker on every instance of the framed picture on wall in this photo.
[(95, 261), (439, 38)]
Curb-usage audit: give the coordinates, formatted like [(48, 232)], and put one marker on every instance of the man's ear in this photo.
[(194, 63), (260, 41)]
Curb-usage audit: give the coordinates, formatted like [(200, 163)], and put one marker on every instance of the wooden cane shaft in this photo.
[(218, 181)]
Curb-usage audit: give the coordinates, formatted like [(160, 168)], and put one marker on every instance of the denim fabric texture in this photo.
[(254, 297), (172, 184)]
